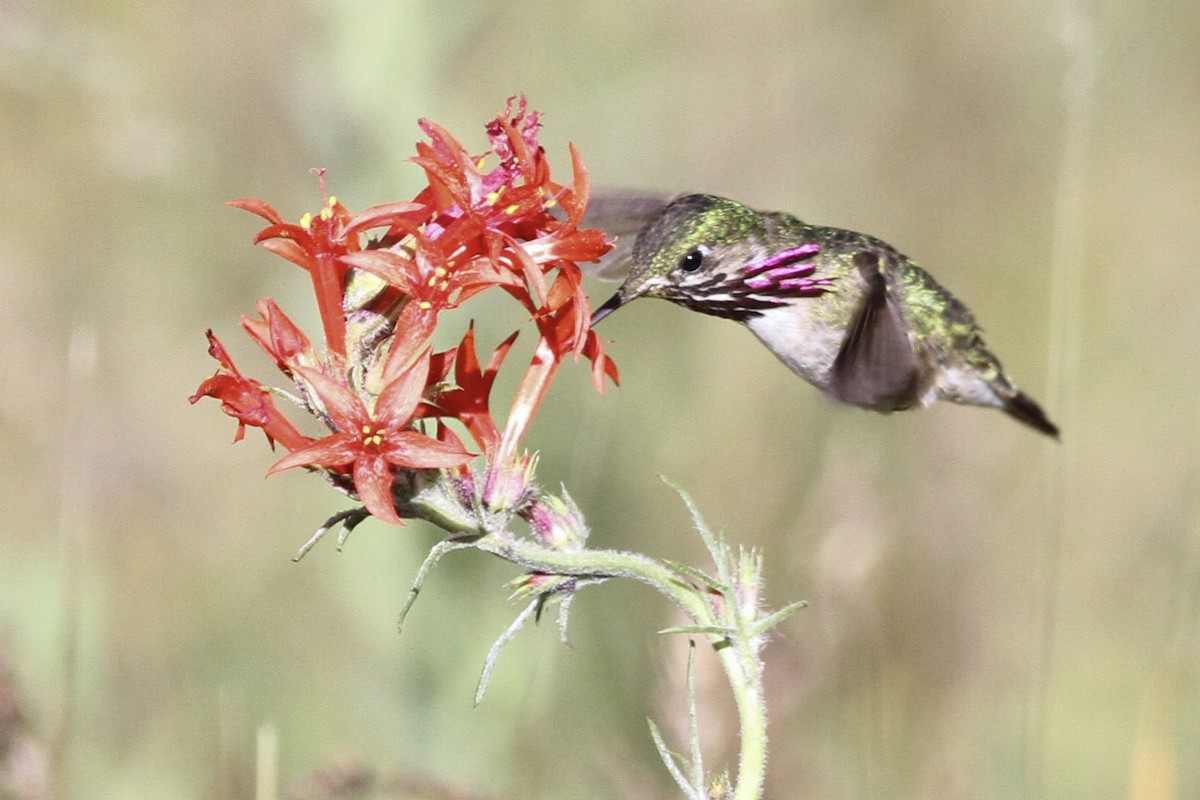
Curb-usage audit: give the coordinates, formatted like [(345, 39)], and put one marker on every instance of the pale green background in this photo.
[(993, 615)]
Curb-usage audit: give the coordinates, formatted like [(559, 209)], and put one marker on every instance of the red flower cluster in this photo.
[(471, 229)]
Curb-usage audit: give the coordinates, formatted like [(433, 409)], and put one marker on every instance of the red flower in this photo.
[(318, 244), (509, 206), (280, 337), (467, 401), (246, 401), (481, 222), (370, 444)]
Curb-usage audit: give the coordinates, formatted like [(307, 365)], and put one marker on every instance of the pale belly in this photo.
[(806, 345)]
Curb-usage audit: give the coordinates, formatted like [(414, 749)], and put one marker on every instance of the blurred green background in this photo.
[(993, 615)]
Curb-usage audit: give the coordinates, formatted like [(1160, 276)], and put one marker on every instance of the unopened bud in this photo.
[(507, 486), (557, 522)]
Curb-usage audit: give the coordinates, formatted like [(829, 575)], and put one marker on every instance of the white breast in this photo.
[(792, 333)]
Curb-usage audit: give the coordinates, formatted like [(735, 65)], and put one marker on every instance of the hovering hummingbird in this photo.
[(845, 311)]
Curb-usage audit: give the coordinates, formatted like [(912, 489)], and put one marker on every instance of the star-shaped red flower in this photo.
[(372, 444)]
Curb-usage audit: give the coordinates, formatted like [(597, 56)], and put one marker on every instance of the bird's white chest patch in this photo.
[(799, 340)]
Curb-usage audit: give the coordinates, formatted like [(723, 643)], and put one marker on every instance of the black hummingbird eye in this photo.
[(692, 260)]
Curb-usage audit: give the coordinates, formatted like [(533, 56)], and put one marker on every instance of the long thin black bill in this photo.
[(610, 306)]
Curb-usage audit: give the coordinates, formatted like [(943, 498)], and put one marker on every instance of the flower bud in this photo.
[(507, 486), (557, 521)]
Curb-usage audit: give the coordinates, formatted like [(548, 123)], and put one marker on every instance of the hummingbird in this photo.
[(845, 311)]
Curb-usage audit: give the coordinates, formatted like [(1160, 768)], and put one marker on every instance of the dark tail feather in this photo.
[(1021, 406)]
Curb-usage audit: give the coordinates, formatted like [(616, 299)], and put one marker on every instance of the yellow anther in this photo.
[(511, 209), (425, 305), (331, 202), (479, 164), (440, 271), (306, 221), (445, 285), (551, 203), (432, 281), (492, 197), (326, 213), (372, 437)]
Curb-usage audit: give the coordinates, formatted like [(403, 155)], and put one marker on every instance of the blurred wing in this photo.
[(621, 215), (876, 366)]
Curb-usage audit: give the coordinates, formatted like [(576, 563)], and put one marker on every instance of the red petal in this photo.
[(279, 336), (337, 450), (414, 329), (373, 481), (581, 188), (457, 163), (440, 363), (288, 340), (466, 365), (343, 406), (292, 251), (529, 268), (412, 449), (498, 356), (259, 207), (387, 214), (285, 230), (388, 265), (218, 351), (445, 434), (398, 400), (583, 245)]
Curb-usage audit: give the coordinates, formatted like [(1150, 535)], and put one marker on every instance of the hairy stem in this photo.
[(733, 628)]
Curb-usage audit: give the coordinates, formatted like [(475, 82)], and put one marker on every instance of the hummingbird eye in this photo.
[(692, 260)]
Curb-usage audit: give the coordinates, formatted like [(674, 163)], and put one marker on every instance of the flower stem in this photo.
[(734, 629), (535, 557), (744, 670)]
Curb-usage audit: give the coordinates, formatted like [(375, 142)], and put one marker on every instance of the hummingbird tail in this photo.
[(1023, 408)]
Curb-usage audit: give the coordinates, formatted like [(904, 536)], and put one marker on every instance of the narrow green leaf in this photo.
[(771, 620), (715, 543), (697, 574), (671, 762), (348, 519), (694, 719), (435, 554), (494, 651), (715, 630)]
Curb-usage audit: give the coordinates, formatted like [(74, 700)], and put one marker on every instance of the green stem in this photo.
[(535, 557), (738, 654), (737, 646), (744, 670)]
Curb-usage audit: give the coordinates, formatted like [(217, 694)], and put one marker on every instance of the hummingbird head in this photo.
[(712, 255)]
